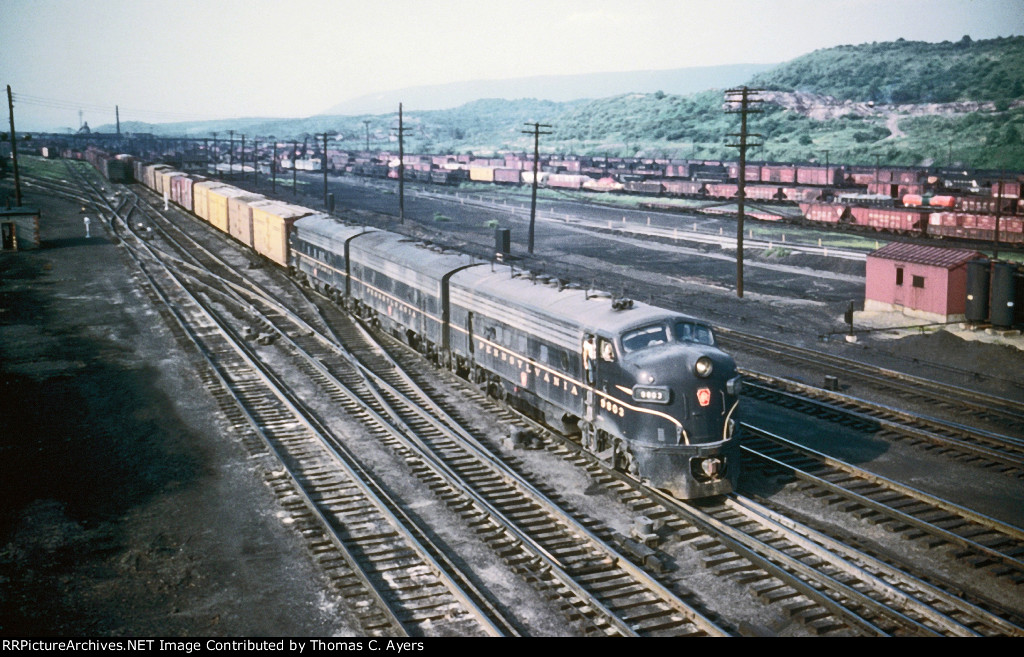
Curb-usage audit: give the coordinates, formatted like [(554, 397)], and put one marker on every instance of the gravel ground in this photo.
[(140, 532), (120, 514)]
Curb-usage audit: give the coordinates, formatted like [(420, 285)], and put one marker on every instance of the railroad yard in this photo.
[(196, 445)]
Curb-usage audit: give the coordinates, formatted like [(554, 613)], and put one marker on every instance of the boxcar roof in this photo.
[(281, 209)]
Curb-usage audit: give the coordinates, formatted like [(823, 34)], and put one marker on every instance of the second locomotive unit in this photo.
[(646, 388)]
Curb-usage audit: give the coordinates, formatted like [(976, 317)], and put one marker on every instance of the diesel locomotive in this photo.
[(645, 388)]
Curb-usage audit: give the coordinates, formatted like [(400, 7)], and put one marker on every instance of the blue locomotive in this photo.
[(645, 388)]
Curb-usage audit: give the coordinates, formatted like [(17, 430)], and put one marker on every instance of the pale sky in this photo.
[(168, 60)]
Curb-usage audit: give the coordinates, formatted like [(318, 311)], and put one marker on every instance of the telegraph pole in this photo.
[(323, 165), (242, 158), (366, 124), (742, 95), (14, 149), (273, 170), (214, 154), (256, 163), (536, 132), (231, 153), (401, 165), (999, 212), (295, 185)]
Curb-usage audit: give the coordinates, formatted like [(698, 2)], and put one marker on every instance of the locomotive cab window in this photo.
[(691, 332), (641, 338)]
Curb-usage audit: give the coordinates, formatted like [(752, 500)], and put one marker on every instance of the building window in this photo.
[(899, 276), (918, 281)]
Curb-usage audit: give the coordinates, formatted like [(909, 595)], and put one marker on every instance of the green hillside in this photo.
[(898, 103), (908, 72)]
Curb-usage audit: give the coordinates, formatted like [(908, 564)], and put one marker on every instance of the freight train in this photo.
[(893, 200), (645, 388)]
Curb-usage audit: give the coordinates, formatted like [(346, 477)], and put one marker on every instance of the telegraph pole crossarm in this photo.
[(742, 95), (536, 132)]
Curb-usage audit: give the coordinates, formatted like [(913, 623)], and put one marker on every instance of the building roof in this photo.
[(919, 254)]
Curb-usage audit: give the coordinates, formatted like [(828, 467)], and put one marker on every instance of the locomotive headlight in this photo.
[(711, 467), (703, 367)]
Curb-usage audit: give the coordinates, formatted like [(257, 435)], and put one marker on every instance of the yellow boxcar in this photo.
[(200, 191), (240, 216), (153, 179), (483, 174), (217, 201), (271, 224)]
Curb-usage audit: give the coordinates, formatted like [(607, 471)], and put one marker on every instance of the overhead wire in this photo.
[(53, 103)]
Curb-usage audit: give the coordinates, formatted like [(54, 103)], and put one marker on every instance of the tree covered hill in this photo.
[(900, 103), (907, 72)]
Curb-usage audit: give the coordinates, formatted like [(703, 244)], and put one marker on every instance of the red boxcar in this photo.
[(1011, 189), (507, 175), (816, 175), (778, 173)]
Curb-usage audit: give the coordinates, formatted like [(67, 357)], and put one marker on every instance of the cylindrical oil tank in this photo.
[(1004, 293), (978, 274)]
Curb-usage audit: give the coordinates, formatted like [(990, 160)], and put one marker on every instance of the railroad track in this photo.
[(1005, 414), (995, 452), (835, 590), (978, 541), (554, 552), (384, 569), (727, 534), (589, 577)]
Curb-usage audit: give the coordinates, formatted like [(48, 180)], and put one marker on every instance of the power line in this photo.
[(58, 104)]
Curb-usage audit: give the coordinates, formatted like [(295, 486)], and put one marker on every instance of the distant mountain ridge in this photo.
[(901, 103), (557, 88)]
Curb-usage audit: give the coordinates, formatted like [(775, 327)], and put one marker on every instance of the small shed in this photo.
[(926, 282), (19, 229)]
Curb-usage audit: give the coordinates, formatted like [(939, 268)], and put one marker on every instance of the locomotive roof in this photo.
[(409, 253), (324, 230), (587, 309)]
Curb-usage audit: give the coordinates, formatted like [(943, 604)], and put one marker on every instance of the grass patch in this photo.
[(440, 217)]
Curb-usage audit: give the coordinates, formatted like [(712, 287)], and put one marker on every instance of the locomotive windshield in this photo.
[(690, 332), (641, 338)]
